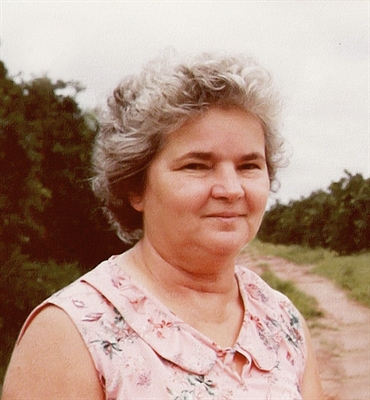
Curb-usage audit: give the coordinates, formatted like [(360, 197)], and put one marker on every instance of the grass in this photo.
[(307, 305), (297, 254), (351, 273)]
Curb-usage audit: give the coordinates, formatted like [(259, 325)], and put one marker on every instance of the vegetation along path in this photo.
[(341, 337)]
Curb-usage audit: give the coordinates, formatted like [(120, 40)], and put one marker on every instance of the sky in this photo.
[(317, 52)]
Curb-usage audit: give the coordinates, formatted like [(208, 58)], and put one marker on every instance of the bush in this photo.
[(337, 219)]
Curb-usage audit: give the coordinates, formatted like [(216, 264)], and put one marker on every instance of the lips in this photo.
[(226, 215)]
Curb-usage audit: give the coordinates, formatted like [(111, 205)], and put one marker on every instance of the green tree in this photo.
[(338, 218), (47, 208), (22, 201), (348, 227), (51, 228), (74, 228), (22, 194)]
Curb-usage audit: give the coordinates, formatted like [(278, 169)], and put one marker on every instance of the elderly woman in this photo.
[(184, 164)]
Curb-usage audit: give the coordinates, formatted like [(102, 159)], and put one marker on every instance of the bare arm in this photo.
[(51, 362), (311, 387)]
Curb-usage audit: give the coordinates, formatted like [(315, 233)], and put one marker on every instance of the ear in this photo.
[(136, 201)]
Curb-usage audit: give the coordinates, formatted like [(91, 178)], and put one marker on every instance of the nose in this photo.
[(227, 184)]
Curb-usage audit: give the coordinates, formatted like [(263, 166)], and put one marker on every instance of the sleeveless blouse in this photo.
[(141, 350)]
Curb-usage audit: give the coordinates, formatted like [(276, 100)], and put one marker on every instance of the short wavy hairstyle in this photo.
[(145, 107)]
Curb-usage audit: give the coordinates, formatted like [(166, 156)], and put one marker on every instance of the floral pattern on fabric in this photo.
[(199, 387), (141, 350)]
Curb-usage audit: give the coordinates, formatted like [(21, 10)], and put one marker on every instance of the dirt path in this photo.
[(341, 338)]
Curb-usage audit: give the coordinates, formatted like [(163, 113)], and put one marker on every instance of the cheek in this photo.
[(258, 195), (172, 197), (190, 192)]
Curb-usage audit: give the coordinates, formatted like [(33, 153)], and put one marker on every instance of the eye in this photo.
[(249, 166), (196, 166)]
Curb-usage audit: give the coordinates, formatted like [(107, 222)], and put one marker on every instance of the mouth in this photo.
[(226, 215)]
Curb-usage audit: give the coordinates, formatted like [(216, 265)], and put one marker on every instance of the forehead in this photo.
[(218, 128)]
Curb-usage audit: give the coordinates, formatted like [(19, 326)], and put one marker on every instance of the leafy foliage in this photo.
[(51, 229), (22, 194), (47, 207), (337, 219)]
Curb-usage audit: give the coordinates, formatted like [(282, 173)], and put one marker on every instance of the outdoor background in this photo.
[(59, 62)]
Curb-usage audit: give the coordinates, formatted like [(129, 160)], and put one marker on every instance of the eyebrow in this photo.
[(206, 156)]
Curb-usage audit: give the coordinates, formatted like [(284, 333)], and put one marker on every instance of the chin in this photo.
[(227, 245)]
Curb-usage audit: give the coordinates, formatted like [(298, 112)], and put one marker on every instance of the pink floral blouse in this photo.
[(141, 350)]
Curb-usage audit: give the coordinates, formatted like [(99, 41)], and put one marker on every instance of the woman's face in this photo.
[(207, 188)]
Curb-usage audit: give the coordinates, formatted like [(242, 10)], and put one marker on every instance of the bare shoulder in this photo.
[(51, 361), (311, 385)]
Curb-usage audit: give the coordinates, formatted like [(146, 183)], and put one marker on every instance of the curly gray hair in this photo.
[(146, 107)]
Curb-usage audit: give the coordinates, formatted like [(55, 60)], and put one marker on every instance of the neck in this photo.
[(176, 274), (191, 290)]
